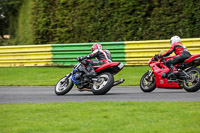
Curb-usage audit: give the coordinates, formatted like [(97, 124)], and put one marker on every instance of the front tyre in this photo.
[(103, 84), (63, 86), (193, 83), (148, 83)]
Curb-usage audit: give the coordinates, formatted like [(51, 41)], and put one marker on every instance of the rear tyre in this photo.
[(103, 84), (147, 84), (192, 84), (63, 86)]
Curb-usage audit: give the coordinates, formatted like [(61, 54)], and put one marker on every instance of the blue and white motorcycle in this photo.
[(98, 85)]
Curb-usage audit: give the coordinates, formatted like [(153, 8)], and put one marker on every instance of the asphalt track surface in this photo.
[(45, 94)]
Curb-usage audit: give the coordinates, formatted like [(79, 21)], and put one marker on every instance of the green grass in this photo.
[(35, 76), (101, 117)]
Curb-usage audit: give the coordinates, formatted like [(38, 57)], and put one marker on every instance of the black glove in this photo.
[(79, 58), (157, 57), (160, 56)]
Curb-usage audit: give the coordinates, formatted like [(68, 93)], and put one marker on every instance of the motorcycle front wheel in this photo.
[(63, 86), (103, 84), (147, 84), (193, 83)]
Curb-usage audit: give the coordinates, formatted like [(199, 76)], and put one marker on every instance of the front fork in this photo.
[(150, 76), (68, 75)]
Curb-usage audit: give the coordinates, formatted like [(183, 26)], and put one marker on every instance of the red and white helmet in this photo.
[(96, 46)]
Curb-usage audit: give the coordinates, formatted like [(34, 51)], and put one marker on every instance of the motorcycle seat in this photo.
[(192, 58)]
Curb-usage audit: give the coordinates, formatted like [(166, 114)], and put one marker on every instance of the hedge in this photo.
[(72, 21)]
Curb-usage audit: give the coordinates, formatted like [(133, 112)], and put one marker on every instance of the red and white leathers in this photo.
[(102, 56), (182, 54), (178, 48)]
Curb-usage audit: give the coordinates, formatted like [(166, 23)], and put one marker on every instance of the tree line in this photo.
[(73, 21)]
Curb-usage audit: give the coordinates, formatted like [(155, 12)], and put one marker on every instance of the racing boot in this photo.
[(91, 71), (173, 71)]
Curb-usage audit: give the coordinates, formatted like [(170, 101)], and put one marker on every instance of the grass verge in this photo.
[(36, 76), (99, 117)]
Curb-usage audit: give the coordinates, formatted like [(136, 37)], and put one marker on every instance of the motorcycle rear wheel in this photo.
[(104, 84), (147, 84), (63, 86), (192, 84)]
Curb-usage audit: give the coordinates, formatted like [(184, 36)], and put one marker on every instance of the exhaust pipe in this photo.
[(118, 82)]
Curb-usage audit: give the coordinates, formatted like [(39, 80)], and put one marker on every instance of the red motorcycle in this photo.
[(188, 76), (98, 85)]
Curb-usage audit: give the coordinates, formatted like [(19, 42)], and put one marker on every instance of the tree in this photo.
[(3, 19), (8, 8)]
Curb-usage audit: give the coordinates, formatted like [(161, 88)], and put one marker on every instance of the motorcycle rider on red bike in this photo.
[(102, 56), (181, 52)]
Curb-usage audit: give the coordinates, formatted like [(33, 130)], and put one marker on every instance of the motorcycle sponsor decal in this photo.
[(161, 82)]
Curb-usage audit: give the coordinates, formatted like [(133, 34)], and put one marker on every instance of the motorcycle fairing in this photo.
[(159, 68), (192, 58), (107, 65), (186, 61)]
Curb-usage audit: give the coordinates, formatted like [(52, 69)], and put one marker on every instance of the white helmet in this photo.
[(175, 39)]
